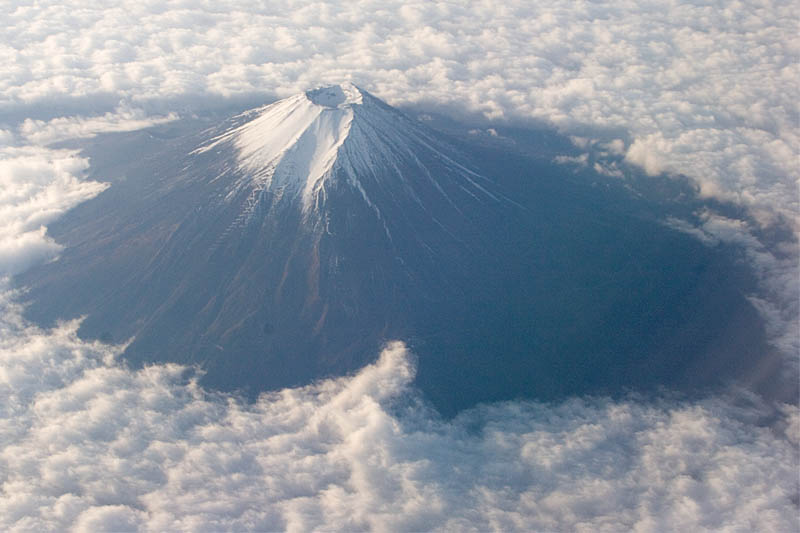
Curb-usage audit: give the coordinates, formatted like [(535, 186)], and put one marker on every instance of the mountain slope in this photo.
[(288, 242)]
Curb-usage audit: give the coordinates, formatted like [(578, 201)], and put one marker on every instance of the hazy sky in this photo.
[(706, 89)]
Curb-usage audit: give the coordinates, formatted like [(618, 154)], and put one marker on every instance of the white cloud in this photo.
[(36, 186), (779, 273), (123, 118), (704, 89), (579, 160)]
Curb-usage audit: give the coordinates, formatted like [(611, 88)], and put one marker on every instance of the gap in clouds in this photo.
[(645, 198), (89, 444), (584, 160)]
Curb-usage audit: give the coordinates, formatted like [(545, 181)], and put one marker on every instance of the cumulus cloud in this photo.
[(36, 186), (89, 444), (705, 89)]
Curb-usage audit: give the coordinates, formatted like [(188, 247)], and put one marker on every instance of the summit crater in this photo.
[(335, 96), (303, 146)]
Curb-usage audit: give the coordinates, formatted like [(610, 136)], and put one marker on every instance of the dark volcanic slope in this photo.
[(291, 241)]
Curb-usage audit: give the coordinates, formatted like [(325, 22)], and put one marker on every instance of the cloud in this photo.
[(89, 444), (704, 89), (36, 186), (40, 132)]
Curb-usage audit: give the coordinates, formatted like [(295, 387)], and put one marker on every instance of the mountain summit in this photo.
[(289, 242), (339, 135)]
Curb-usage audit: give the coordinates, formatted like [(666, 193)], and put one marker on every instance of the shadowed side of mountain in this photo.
[(289, 242)]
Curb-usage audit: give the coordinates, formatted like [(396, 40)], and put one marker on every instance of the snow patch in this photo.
[(293, 143), (297, 144)]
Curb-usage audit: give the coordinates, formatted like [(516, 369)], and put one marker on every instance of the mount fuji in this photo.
[(289, 242), (302, 146)]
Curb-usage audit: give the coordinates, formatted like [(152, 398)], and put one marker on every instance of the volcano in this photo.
[(289, 242)]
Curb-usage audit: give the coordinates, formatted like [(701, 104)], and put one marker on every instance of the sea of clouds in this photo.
[(702, 89)]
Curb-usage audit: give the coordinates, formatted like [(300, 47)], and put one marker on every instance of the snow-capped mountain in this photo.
[(296, 148), (287, 243)]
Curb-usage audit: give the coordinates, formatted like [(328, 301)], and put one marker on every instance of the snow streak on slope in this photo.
[(297, 145), (293, 143)]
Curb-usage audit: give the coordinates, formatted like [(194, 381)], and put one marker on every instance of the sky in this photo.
[(706, 90)]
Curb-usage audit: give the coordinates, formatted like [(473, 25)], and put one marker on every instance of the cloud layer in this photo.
[(86, 443), (705, 89)]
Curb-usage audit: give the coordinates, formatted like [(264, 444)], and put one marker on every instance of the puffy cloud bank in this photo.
[(701, 88), (36, 186), (88, 444)]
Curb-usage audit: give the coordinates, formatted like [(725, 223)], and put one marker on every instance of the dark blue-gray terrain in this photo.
[(289, 242)]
